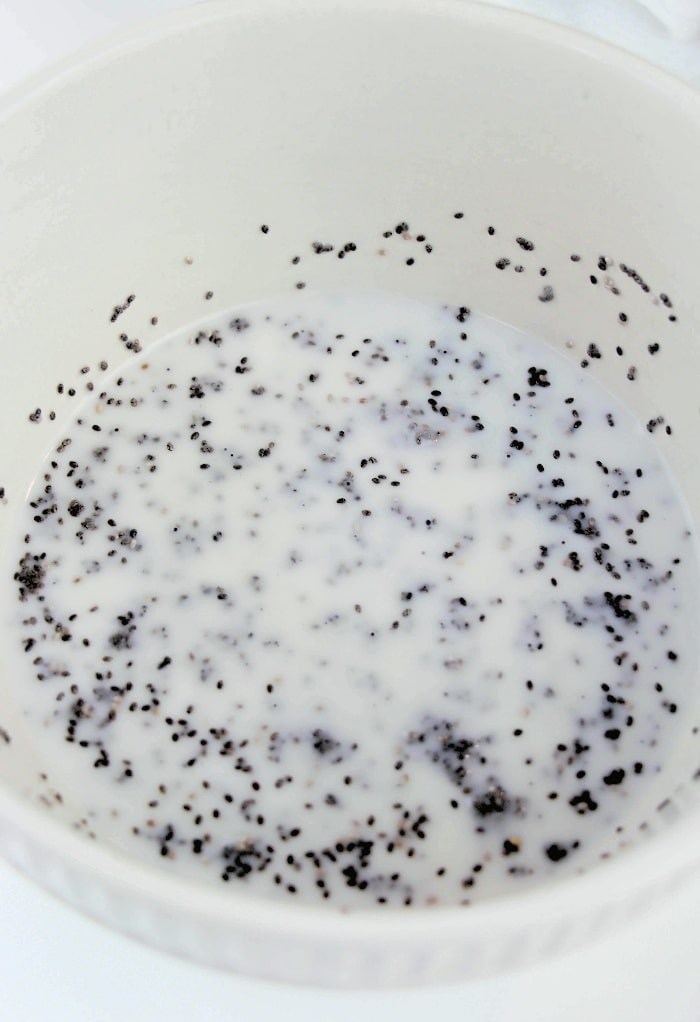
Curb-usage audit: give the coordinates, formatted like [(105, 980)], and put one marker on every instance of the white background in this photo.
[(56, 965)]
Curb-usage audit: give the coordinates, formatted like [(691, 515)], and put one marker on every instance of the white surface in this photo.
[(56, 965)]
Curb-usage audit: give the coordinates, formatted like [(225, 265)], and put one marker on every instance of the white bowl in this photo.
[(147, 167)]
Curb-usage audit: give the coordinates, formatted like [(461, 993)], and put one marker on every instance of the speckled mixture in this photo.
[(360, 601)]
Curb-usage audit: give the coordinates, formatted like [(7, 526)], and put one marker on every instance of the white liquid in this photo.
[(356, 602)]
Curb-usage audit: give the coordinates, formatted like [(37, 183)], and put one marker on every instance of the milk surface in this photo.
[(356, 600)]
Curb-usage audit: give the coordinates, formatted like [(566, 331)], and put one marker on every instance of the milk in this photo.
[(351, 599)]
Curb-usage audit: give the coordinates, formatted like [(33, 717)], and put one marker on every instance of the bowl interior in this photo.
[(150, 169)]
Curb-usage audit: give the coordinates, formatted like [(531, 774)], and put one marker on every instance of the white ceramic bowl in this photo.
[(147, 166)]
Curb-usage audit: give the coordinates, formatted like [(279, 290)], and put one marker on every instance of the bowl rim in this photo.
[(141, 32), (636, 871)]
